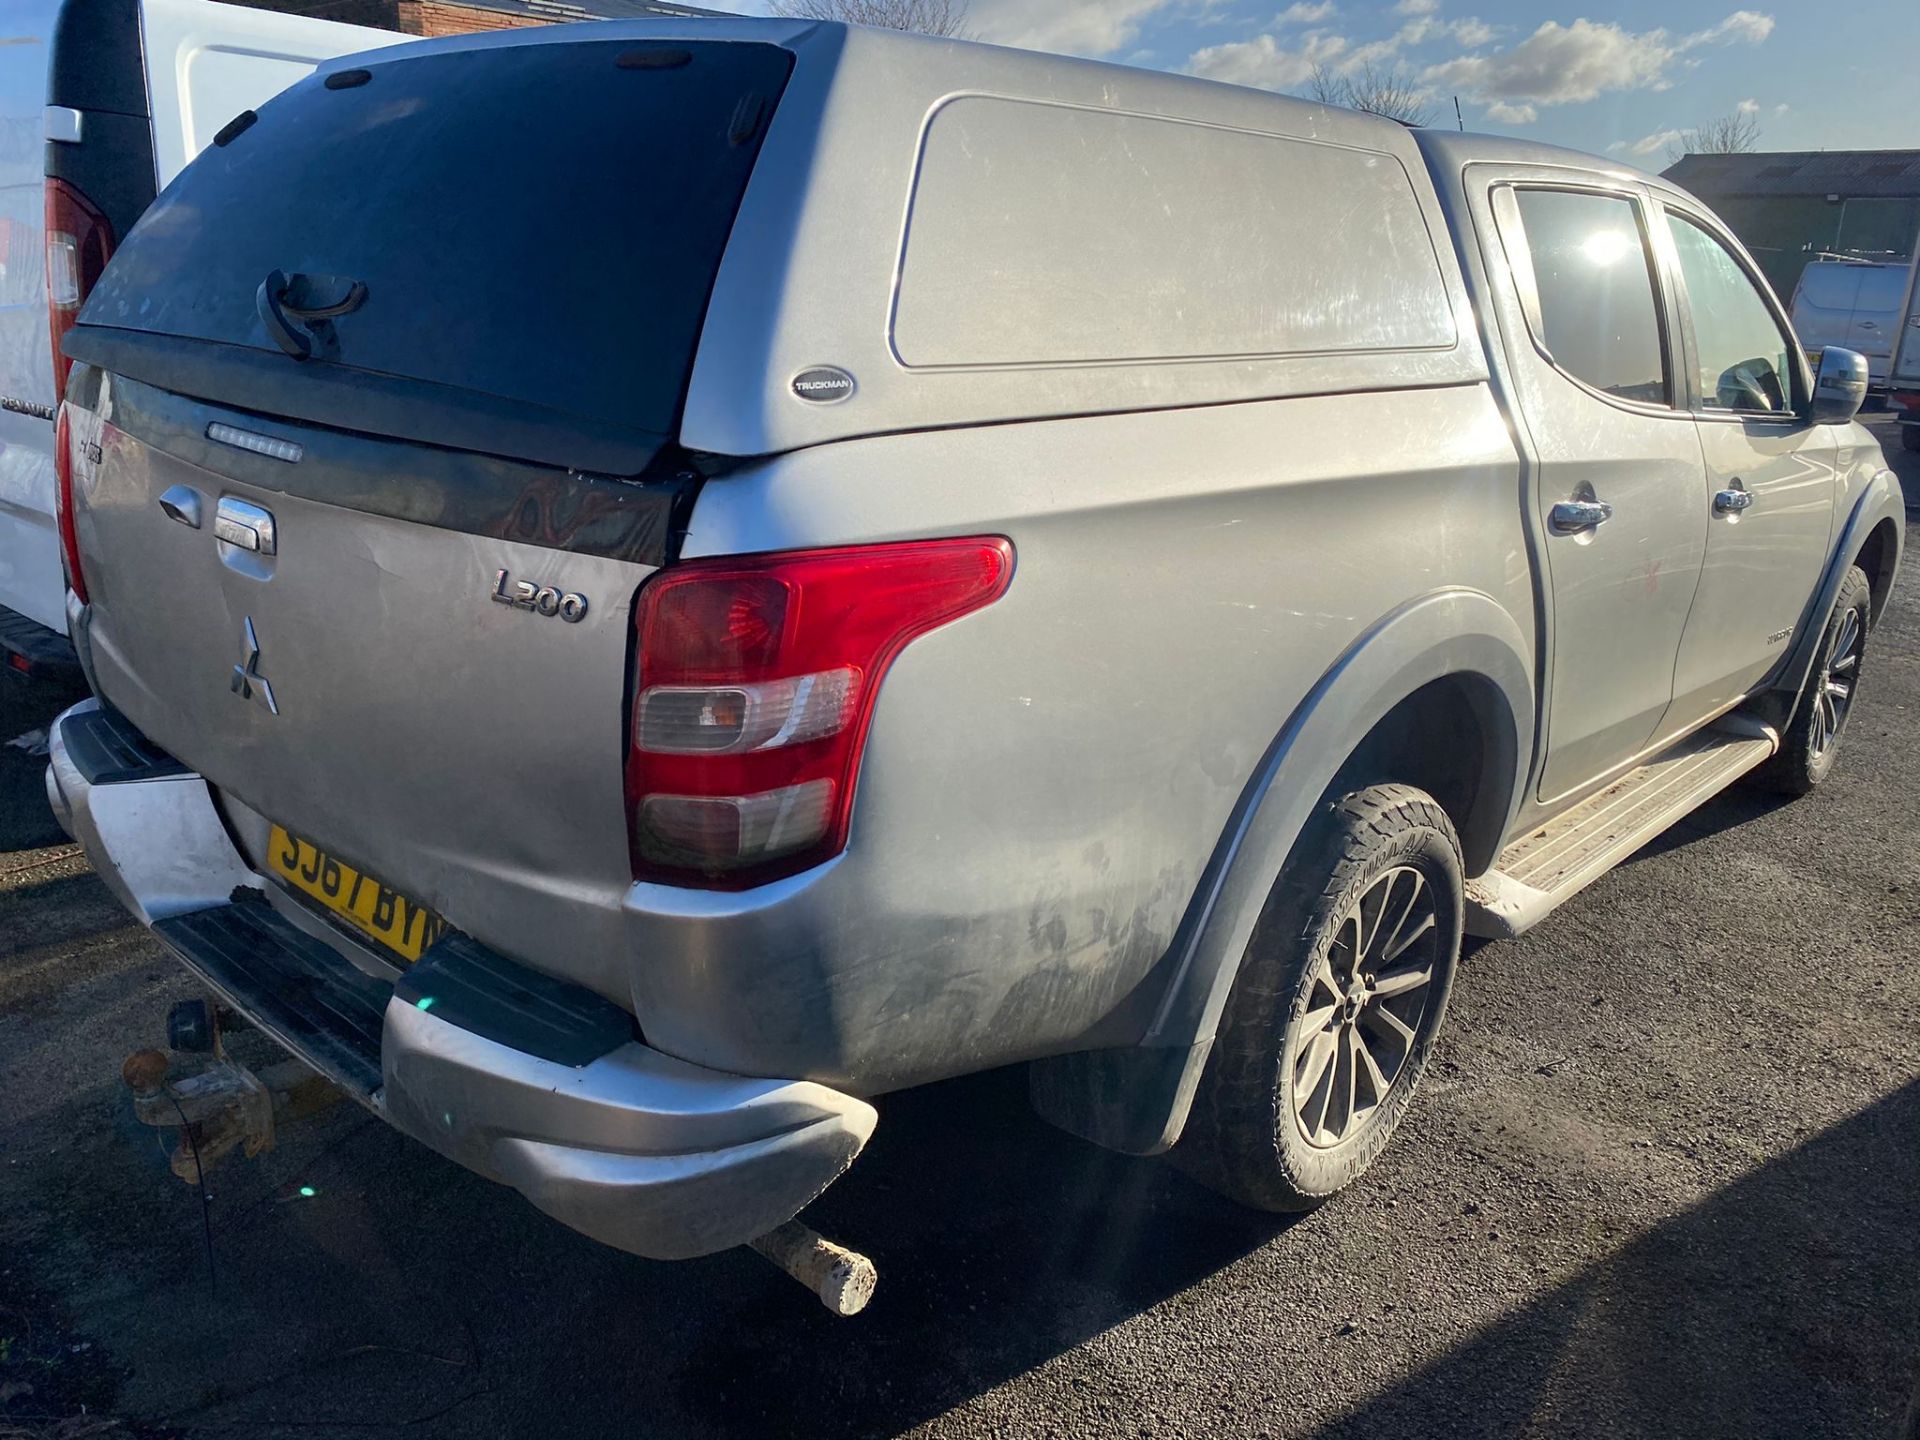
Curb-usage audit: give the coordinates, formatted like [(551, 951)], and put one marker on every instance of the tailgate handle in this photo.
[(182, 503), (247, 525), (311, 299)]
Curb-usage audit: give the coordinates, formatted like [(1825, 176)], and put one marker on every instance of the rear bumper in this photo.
[(630, 1146), (29, 648)]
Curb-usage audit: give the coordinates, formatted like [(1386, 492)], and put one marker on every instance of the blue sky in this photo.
[(1601, 75)]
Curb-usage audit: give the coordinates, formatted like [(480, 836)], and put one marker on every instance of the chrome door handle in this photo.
[(249, 526), (1570, 517), (1731, 502), (182, 503)]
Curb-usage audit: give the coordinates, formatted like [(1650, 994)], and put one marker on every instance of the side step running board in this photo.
[(1559, 859)]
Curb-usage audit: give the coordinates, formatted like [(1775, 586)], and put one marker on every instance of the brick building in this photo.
[(458, 17)]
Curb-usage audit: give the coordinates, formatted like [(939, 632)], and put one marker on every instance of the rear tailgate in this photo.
[(527, 234)]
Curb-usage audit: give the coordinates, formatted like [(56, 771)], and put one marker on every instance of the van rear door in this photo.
[(1876, 317), (1823, 303), (29, 553), (414, 339), (206, 63)]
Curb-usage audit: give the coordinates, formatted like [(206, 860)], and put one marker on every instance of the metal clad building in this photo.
[(1789, 205)]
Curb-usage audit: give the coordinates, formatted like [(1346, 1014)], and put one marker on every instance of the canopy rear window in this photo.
[(536, 228)]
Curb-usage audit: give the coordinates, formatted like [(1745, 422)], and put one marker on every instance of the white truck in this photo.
[(102, 103), (1903, 372)]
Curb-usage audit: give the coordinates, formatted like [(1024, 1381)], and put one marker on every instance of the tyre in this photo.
[(1909, 436), (1820, 715), (1341, 992)]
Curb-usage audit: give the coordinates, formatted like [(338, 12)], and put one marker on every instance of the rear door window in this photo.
[(536, 225), (1586, 282)]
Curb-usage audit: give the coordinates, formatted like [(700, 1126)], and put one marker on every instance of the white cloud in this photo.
[(1782, 108), (1561, 64), (1416, 7), (1264, 62), (1748, 107), (1072, 27), (1748, 27), (1512, 114), (1301, 13), (1647, 144)]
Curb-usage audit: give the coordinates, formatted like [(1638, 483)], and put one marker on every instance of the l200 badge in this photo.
[(569, 605)]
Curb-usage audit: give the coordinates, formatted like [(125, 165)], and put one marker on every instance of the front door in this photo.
[(1770, 475), (1618, 480)]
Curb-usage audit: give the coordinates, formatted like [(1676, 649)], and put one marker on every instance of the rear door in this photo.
[(1618, 484), (207, 62), (415, 340), (1824, 303), (1770, 474), (29, 552), (1876, 315)]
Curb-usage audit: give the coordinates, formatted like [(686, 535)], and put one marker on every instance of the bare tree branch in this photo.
[(1733, 134), (1389, 93), (1327, 87), (928, 17)]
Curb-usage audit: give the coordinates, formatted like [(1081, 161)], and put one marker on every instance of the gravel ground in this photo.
[(1664, 1180)]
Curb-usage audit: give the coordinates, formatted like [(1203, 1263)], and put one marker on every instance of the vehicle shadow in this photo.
[(408, 1296), (1787, 1305)]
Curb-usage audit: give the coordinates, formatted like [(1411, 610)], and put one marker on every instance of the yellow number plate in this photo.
[(404, 926)]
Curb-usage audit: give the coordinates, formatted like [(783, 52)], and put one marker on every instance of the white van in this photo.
[(1854, 304), (102, 103)]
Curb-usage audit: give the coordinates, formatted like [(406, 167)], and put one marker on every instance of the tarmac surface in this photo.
[(1663, 1180)]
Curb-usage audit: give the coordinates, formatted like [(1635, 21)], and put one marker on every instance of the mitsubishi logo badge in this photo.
[(248, 682)]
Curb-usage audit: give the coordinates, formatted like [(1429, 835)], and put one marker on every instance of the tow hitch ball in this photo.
[(217, 1104)]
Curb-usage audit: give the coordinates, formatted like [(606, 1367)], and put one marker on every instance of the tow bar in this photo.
[(218, 1106)]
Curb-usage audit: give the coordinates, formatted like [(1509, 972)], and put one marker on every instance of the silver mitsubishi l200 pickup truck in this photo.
[(648, 583)]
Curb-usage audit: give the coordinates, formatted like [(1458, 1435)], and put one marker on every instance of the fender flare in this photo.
[(1136, 1099), (1880, 500)]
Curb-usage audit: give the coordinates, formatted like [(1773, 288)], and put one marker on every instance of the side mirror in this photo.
[(1839, 386)]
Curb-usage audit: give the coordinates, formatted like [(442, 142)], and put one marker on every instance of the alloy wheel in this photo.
[(1834, 695), (1365, 1001)]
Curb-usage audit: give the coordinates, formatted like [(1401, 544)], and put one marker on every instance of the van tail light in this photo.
[(63, 500), (79, 244), (757, 680)]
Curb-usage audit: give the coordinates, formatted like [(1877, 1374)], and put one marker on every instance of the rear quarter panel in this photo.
[(1045, 779)]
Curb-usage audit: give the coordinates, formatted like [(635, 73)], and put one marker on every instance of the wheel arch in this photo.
[(1879, 557), (1873, 538), (1456, 739), (1448, 669)]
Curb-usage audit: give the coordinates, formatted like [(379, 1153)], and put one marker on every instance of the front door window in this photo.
[(1744, 358)]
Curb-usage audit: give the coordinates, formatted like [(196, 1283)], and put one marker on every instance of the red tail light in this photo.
[(757, 678), (63, 499), (79, 244)]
